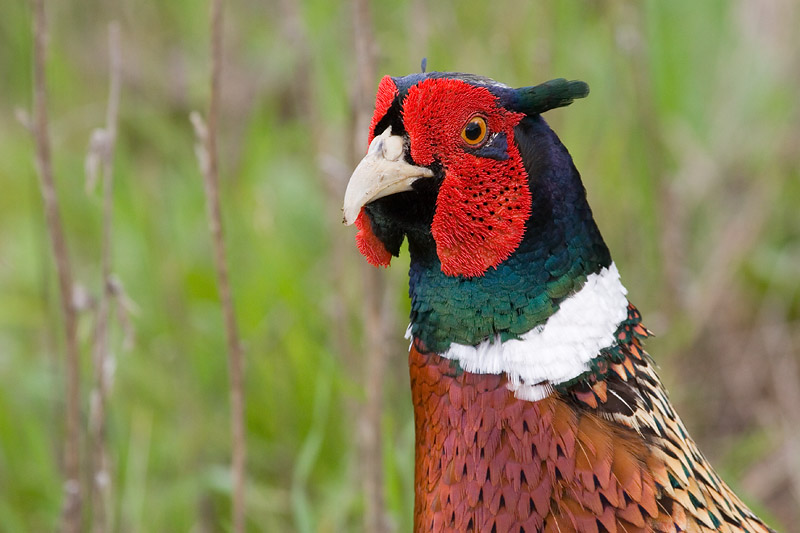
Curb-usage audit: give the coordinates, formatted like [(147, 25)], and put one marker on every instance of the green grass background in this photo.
[(689, 147)]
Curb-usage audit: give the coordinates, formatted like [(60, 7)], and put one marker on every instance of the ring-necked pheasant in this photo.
[(536, 407)]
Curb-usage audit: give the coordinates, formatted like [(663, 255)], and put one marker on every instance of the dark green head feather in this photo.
[(546, 96)]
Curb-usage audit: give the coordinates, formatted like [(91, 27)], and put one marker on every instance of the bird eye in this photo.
[(474, 132)]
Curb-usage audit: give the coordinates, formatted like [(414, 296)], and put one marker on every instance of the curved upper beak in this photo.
[(382, 172)]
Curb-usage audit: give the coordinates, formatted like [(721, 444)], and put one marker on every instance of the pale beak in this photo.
[(382, 172)]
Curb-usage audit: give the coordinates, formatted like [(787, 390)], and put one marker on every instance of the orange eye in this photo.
[(474, 132)]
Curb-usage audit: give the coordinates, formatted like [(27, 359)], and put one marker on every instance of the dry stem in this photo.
[(71, 511), (376, 302), (207, 157), (104, 150)]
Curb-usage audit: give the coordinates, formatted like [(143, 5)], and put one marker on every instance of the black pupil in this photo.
[(473, 131)]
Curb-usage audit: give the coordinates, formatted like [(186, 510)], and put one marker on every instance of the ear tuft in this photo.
[(546, 96)]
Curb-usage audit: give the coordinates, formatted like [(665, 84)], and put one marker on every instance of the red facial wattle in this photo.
[(483, 203), (369, 244)]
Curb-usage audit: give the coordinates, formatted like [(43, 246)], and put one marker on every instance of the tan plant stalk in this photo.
[(102, 150), (377, 300), (71, 509), (207, 154)]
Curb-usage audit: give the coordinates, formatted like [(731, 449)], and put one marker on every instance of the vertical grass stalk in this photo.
[(207, 154), (104, 150), (71, 509)]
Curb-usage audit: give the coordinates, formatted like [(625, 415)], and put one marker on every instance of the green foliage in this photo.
[(689, 101)]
